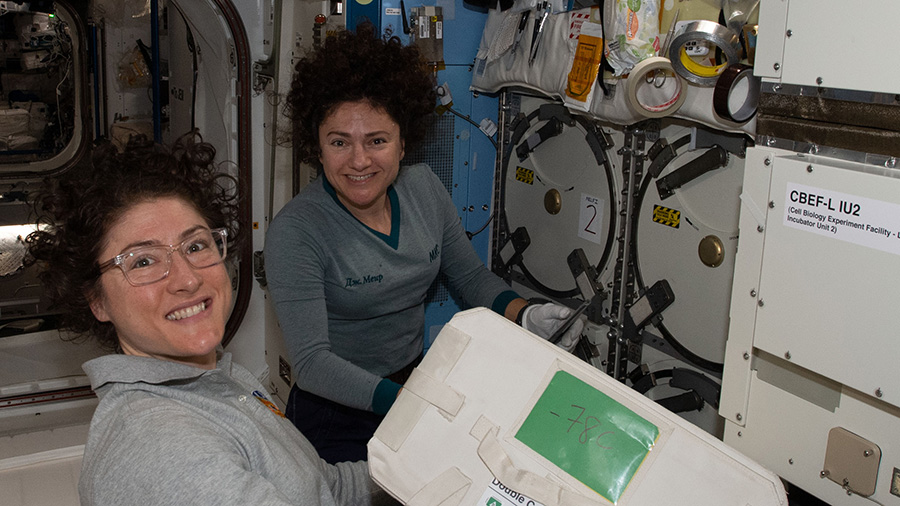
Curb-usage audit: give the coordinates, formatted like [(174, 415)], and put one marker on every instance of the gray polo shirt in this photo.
[(167, 433)]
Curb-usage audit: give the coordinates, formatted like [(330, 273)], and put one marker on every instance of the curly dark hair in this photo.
[(359, 66), (76, 210)]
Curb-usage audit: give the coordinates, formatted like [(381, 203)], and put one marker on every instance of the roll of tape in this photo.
[(737, 84), (650, 72), (708, 31)]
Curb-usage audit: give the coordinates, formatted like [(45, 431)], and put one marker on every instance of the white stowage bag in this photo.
[(496, 416), (501, 64)]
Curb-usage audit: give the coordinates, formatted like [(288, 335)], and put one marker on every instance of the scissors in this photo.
[(538, 31), (658, 77), (523, 21)]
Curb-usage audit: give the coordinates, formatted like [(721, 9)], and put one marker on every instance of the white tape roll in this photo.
[(653, 89)]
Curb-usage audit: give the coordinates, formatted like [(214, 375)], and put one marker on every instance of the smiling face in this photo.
[(361, 149), (180, 318)]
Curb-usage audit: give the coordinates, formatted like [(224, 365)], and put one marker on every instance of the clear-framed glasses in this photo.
[(149, 264)]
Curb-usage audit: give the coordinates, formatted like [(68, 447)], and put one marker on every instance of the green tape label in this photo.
[(587, 434)]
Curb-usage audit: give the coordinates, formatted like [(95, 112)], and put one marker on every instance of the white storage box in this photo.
[(37, 116), (35, 59), (494, 416), (13, 121)]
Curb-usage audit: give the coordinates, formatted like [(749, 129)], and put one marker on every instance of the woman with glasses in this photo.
[(350, 259), (134, 251)]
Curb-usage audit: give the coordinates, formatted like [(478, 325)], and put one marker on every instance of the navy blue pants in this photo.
[(339, 433)]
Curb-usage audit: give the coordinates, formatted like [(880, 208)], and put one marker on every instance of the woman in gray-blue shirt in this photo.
[(350, 259)]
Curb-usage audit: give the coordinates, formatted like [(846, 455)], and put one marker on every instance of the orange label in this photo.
[(584, 70), (585, 65), (633, 25)]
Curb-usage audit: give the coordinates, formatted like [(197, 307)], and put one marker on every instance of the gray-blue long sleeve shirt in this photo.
[(351, 301)]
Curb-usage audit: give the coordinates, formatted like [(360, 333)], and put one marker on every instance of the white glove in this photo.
[(544, 319)]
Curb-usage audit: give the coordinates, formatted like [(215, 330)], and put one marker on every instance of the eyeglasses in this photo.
[(149, 264)]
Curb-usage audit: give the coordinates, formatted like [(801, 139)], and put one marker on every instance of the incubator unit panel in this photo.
[(810, 348), (809, 351)]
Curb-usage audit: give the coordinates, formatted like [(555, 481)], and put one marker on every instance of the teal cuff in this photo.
[(385, 395), (503, 300)]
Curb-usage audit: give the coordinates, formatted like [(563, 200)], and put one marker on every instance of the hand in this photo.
[(544, 319)]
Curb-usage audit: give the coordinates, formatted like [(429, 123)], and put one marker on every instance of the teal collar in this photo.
[(392, 240)]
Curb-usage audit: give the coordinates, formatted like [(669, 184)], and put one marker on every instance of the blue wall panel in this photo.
[(473, 153)]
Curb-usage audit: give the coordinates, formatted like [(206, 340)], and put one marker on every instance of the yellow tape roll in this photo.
[(698, 69), (709, 31)]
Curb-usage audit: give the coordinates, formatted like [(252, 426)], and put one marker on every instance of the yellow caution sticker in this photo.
[(524, 175), (666, 216)]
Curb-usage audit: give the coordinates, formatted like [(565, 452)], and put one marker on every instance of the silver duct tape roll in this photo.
[(708, 31), (658, 68)]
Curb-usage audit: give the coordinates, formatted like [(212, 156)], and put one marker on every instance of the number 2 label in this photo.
[(590, 219)]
